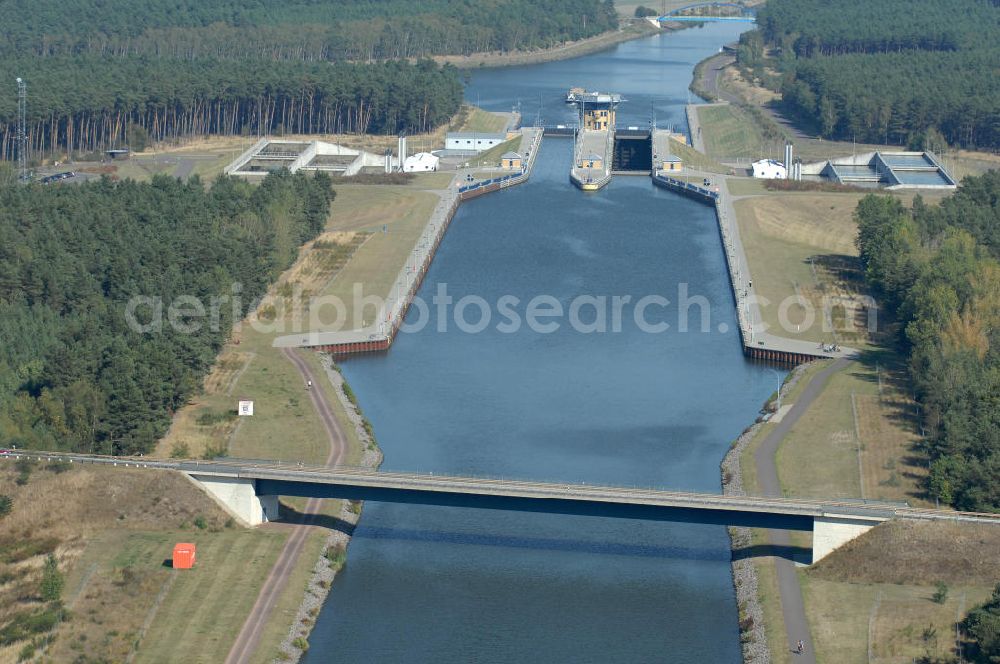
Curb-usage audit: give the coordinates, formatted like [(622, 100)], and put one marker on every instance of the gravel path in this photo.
[(323, 572), (249, 636)]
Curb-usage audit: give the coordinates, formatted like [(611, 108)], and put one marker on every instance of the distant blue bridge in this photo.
[(711, 11)]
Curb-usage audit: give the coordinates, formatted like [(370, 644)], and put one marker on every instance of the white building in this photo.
[(273, 154), (468, 141), (769, 169), (420, 163)]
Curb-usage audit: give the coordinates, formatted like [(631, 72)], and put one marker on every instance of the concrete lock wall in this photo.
[(830, 533), (239, 498)]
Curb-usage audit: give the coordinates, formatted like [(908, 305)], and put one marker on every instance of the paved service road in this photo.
[(710, 73), (249, 636), (792, 606)]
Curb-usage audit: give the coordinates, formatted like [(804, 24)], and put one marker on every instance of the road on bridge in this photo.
[(355, 483)]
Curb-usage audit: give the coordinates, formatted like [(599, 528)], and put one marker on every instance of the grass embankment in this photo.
[(204, 607), (248, 367), (803, 246), (112, 530), (729, 133), (286, 607), (877, 594), (473, 118), (404, 212), (696, 160), (874, 597), (353, 249), (857, 440)]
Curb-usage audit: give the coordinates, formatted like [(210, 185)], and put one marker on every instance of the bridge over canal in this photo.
[(250, 490), (704, 12)]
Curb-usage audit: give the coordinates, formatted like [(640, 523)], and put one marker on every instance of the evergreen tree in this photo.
[(73, 374), (52, 580), (913, 72), (983, 625)]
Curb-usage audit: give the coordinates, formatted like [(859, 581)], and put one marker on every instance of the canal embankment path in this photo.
[(792, 604), (249, 637)]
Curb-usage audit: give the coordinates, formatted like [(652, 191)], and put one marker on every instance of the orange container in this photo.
[(184, 555)]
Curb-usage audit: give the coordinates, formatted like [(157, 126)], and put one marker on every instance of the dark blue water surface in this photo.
[(435, 584), (652, 74)]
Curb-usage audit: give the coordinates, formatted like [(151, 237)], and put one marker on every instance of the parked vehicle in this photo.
[(56, 177)]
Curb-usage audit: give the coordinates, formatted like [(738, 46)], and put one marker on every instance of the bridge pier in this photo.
[(832, 532), (238, 496)]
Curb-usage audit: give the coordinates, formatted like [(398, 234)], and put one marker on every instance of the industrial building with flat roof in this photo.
[(270, 154), (471, 142), (891, 170)]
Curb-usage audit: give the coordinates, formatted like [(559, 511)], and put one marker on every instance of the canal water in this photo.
[(628, 407)]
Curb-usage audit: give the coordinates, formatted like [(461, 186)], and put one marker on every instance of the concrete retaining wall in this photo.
[(239, 498), (830, 533)]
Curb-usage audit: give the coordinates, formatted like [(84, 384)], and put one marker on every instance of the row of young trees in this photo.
[(88, 103), (885, 71), (74, 374), (937, 269), (296, 29)]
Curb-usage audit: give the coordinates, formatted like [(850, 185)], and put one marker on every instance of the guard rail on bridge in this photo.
[(832, 522), (702, 12), (356, 476)]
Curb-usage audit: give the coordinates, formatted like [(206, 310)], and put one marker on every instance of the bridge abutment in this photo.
[(238, 496), (832, 532)]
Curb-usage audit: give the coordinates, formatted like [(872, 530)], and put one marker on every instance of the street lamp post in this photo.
[(781, 382)]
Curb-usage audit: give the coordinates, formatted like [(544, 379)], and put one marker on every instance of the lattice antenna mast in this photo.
[(22, 124)]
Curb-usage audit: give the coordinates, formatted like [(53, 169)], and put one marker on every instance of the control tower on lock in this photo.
[(595, 137)]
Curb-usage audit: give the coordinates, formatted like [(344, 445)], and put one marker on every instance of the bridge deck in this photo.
[(296, 479), (711, 11)]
